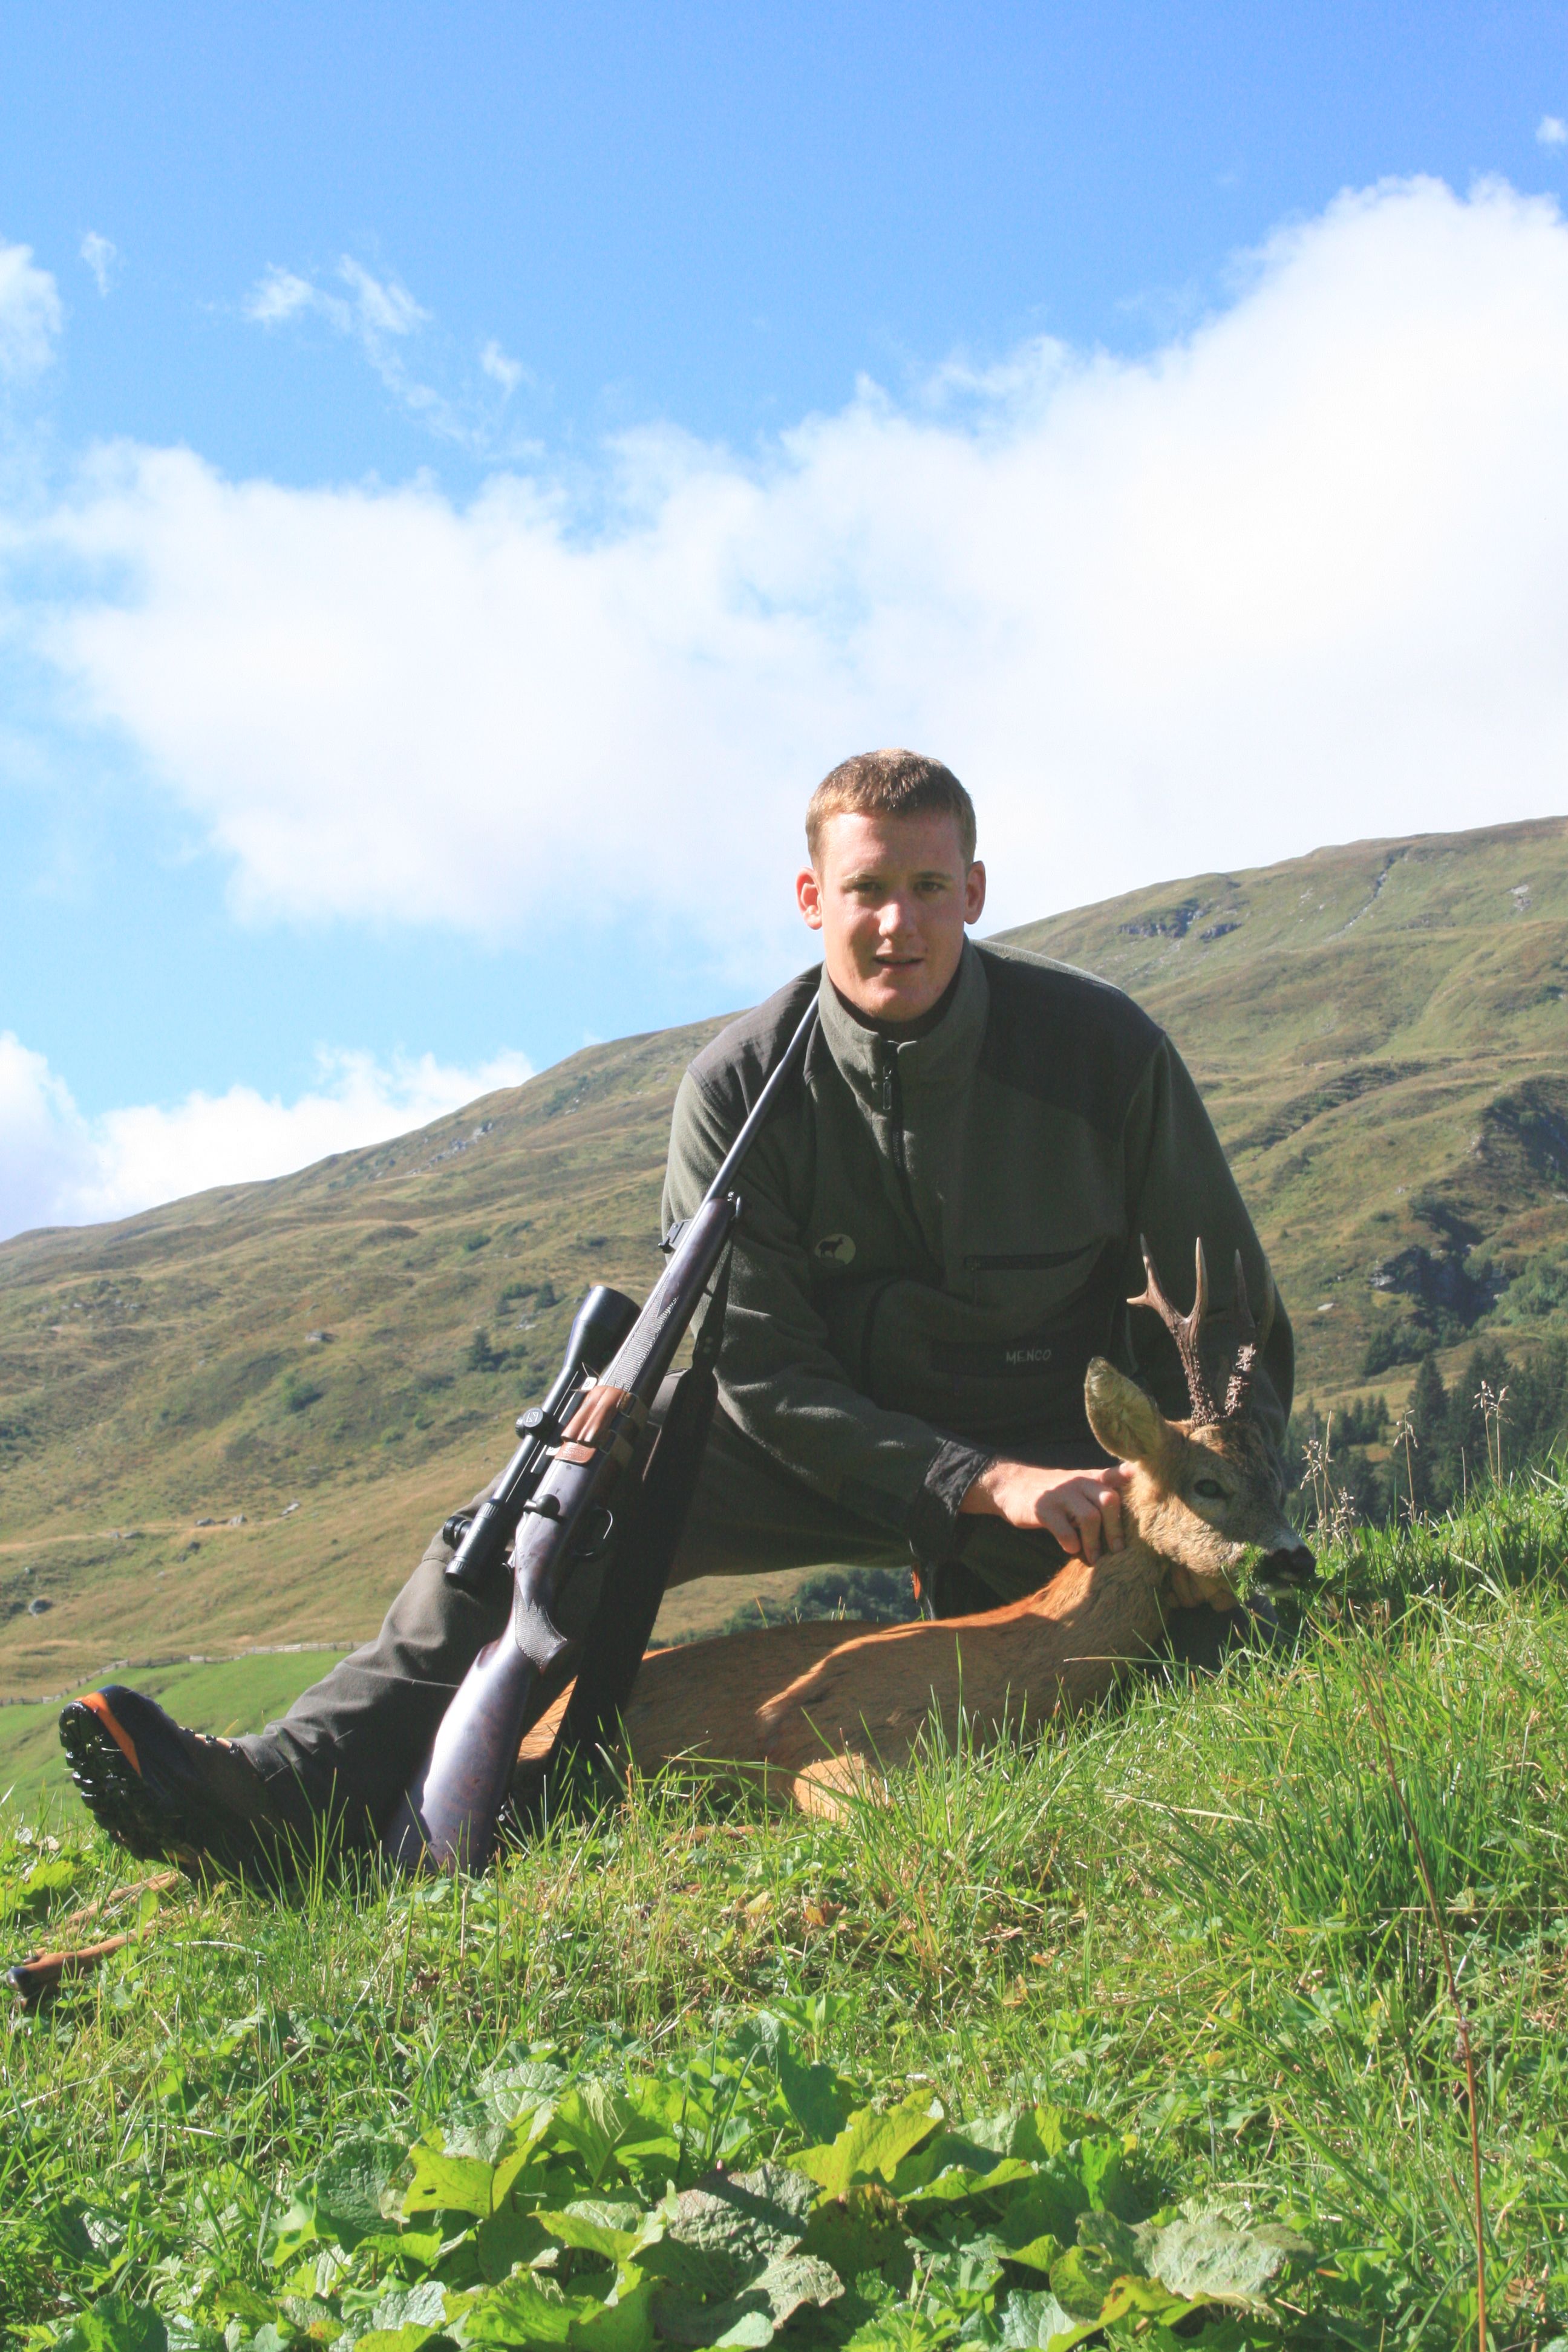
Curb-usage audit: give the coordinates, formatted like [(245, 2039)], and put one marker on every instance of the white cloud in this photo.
[(1297, 577), (29, 312), (508, 373), (279, 295), (58, 1168), (1552, 130), (100, 257), (382, 317)]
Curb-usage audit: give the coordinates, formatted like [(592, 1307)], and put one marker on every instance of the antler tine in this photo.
[(1246, 1363), (1183, 1328)]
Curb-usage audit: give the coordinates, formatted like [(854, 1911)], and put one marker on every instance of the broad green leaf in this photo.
[(349, 2187), (861, 2231), (188, 2335), (721, 2233), (622, 2324), (448, 2184), (506, 2239), (1147, 2299), (1082, 2280), (411, 2338), (517, 2084), (958, 2183), (523, 2311), (115, 2324), (591, 2119), (244, 2303), (872, 2143), (1037, 2253), (423, 2306), (1045, 2131), (730, 2259), (519, 2143), (1111, 2243), (616, 2232), (963, 2277), (1048, 2206), (314, 2317), (750, 2316), (818, 2096), (902, 2331), (1211, 2256), (28, 1896), (1037, 2323), (1102, 2168)]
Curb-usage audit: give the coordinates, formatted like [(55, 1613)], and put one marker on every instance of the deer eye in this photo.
[(1209, 1488)]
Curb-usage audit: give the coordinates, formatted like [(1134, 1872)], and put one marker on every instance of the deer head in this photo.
[(1208, 1493)]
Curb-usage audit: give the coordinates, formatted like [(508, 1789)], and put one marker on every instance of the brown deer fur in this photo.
[(828, 1706)]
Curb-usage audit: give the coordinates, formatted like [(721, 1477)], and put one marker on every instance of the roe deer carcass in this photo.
[(827, 1707)]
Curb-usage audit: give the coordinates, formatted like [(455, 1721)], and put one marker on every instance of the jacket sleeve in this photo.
[(778, 1377), (1179, 1188)]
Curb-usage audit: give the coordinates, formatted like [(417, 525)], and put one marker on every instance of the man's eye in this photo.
[(1209, 1488)]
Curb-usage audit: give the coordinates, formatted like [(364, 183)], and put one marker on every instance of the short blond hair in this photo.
[(891, 783)]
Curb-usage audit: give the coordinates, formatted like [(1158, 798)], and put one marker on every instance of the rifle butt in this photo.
[(448, 1817)]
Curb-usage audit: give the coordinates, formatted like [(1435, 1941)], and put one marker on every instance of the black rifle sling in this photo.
[(645, 1545)]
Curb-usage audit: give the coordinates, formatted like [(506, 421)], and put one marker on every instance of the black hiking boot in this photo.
[(168, 1794)]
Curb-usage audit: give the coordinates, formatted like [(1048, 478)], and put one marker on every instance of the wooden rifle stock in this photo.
[(449, 1813)]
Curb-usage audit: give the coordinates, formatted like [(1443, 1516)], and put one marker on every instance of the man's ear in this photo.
[(974, 893), (808, 897), (1127, 1423)]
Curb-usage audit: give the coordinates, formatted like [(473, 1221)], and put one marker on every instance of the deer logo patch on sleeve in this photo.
[(838, 1249)]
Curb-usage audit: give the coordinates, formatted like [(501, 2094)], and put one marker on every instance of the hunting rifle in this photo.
[(551, 1503)]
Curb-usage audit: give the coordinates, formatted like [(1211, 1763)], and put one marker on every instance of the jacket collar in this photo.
[(945, 1057)]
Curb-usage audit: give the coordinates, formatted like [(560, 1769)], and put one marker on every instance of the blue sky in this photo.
[(464, 472)]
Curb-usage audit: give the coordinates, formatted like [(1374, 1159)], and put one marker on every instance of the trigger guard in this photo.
[(597, 1542)]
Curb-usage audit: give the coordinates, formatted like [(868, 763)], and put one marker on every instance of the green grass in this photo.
[(1196, 1921), (233, 1694)]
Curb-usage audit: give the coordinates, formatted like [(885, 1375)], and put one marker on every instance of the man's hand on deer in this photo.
[(1082, 1508)]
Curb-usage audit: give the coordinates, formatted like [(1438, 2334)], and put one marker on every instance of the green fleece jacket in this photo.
[(940, 1232)]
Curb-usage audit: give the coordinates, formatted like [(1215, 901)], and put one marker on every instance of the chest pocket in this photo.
[(1012, 1281), (1048, 1347)]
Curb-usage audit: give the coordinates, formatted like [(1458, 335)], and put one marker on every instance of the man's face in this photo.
[(890, 896)]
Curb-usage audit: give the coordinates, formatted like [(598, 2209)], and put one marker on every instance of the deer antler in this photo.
[(1246, 1364), (1183, 1329)]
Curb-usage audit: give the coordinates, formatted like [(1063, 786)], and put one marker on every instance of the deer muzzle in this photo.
[(1290, 1568)]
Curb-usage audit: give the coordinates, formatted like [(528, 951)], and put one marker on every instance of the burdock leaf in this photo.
[(443, 2183), (523, 2311), (624, 2324), (872, 2143), (861, 2231), (751, 2316), (1033, 2322), (349, 2185), (721, 2235), (1208, 2255), (616, 2232), (592, 2119), (115, 2324)]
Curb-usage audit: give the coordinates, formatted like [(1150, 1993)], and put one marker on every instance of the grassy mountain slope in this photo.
[(335, 1358), (1381, 1033)]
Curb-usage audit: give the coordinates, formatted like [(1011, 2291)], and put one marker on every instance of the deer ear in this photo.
[(1127, 1422)]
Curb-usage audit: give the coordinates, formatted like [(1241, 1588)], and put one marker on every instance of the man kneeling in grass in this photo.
[(942, 1227)]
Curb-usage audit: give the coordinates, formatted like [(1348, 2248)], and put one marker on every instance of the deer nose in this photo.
[(1293, 1564)]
